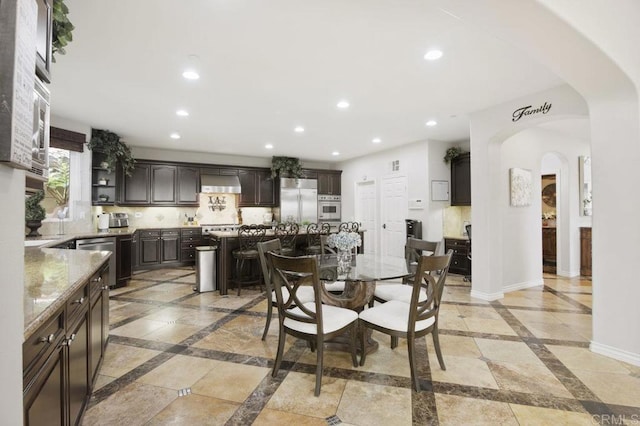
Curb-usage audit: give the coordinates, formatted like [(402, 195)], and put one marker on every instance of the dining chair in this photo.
[(274, 246), (314, 230), (416, 318), (248, 238), (313, 321), (413, 250), (287, 233), (349, 227)]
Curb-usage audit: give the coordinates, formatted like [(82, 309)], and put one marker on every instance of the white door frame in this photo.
[(404, 208), (372, 234)]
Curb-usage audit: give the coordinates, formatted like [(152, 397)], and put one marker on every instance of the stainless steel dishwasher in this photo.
[(103, 243)]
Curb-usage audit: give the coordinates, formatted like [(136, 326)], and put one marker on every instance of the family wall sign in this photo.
[(528, 110)]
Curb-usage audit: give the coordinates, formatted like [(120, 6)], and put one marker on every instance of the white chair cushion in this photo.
[(393, 315), (333, 318), (305, 294), (334, 286), (401, 292)]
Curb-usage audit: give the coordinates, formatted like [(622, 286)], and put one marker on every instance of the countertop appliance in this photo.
[(118, 220), (329, 208), (105, 243), (298, 200)]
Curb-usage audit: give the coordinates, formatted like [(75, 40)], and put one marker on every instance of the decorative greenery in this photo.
[(285, 167), (62, 28), (451, 154), (58, 183), (114, 150), (32, 208)]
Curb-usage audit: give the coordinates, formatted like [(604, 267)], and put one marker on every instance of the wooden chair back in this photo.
[(428, 280)]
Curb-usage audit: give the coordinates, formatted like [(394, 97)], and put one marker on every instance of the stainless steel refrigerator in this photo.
[(299, 200)]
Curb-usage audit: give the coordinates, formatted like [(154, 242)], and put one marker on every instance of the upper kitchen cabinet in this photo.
[(258, 188), (155, 184), (329, 182), (461, 180)]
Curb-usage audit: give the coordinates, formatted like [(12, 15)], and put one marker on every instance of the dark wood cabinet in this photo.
[(124, 259), (190, 238), (188, 186), (549, 249), (103, 182), (585, 252), (135, 189), (258, 188), (460, 263), (163, 184), (149, 243), (61, 358), (461, 180), (170, 245), (329, 183)]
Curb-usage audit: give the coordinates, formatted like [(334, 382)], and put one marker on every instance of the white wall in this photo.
[(413, 158)]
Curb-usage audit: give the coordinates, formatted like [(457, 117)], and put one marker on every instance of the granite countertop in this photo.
[(55, 239), (50, 277)]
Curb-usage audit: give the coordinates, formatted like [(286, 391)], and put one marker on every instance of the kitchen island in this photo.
[(66, 327)]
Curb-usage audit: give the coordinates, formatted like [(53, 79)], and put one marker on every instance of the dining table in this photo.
[(359, 284)]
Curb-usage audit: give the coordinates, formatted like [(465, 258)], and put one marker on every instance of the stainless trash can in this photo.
[(205, 269)]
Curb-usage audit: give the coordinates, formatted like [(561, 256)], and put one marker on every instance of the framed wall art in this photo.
[(520, 186)]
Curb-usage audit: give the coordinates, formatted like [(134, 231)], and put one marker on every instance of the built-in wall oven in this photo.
[(329, 208)]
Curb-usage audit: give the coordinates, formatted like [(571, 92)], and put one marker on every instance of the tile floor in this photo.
[(182, 358)]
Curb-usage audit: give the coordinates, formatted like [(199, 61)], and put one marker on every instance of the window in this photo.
[(56, 202)]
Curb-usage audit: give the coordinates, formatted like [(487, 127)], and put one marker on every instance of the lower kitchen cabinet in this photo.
[(59, 357), (124, 259), (190, 238), (158, 246), (460, 263), (149, 243), (170, 245)]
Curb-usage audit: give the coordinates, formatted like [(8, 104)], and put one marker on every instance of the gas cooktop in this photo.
[(208, 228)]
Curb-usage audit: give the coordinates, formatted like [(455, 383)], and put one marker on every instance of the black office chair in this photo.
[(468, 229)]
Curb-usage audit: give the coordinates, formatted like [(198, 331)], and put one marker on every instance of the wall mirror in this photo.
[(585, 186)]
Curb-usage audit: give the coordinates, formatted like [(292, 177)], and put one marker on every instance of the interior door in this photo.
[(394, 210), (366, 208)]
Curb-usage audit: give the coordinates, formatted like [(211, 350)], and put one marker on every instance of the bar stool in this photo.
[(349, 227), (314, 231), (248, 238), (287, 234)]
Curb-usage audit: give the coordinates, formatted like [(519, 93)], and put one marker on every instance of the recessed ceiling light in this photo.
[(376, 140), (174, 135), (268, 146), (182, 113), (343, 104), (191, 75), (431, 123), (335, 153), (299, 129), (433, 54)]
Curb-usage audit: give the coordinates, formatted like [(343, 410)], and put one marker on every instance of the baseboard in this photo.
[(489, 297), (615, 353), (521, 286), (568, 274)]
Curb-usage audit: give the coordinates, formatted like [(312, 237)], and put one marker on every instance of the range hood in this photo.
[(220, 184)]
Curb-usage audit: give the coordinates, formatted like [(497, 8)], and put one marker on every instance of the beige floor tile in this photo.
[(480, 312), (189, 279), (528, 378), (102, 380), (451, 320), (131, 309), (385, 360), (454, 346), (494, 326), (200, 318), (134, 405), (460, 294), (537, 416), (584, 359), (172, 333), (507, 351), (269, 417), (179, 372), (138, 328), (369, 404), (456, 411), (215, 300), (168, 314), (613, 388), (585, 299), (464, 371), (295, 395), (195, 410), (245, 378), (581, 323), (243, 335), (546, 326), (160, 295), (120, 359), (331, 358), (262, 307)]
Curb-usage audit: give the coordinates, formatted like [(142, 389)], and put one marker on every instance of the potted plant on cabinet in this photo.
[(286, 167), (114, 150), (34, 213), (62, 28)]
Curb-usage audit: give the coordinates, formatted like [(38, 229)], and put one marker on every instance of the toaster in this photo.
[(118, 220)]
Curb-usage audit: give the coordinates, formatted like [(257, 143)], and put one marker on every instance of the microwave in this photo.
[(329, 207)]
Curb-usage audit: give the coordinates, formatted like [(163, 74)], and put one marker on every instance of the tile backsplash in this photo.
[(454, 220), (149, 217)]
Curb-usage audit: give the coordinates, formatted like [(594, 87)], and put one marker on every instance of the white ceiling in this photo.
[(268, 66)]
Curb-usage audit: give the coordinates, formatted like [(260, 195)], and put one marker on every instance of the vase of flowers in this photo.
[(344, 242)]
